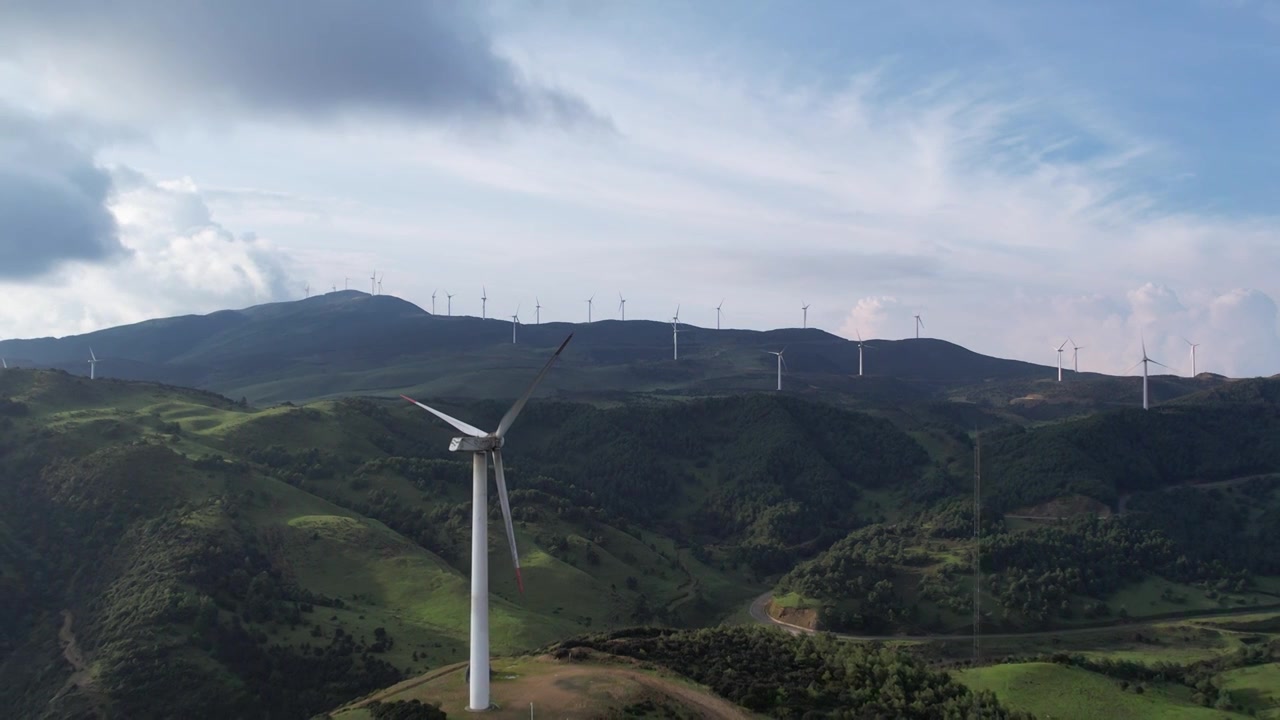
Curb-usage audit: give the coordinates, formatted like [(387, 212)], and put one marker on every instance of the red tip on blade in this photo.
[(519, 581), (406, 397)]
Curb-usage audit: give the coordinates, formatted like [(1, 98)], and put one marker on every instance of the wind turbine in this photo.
[(1143, 362), (484, 301), (781, 363), (1193, 355), (380, 283), (93, 363), (805, 308), (373, 283), (718, 313), (919, 324), (1075, 356), (537, 311), (593, 297), (622, 306), (675, 335), (306, 291), (346, 283), (484, 445), (515, 320), (860, 344), (1060, 347), (449, 304), (433, 302)]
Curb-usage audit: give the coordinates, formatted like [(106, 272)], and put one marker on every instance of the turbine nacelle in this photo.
[(487, 443)]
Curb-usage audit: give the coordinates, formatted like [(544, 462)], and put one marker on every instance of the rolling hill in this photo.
[(351, 343)]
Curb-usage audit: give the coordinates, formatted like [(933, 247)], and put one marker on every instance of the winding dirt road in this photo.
[(760, 613)]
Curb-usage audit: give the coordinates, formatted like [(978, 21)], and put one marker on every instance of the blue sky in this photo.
[(1015, 171)]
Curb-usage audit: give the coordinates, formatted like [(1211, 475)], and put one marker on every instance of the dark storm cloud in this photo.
[(52, 198), (415, 58)]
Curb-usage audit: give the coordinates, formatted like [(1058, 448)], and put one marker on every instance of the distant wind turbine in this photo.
[(1060, 351), (373, 283), (335, 287), (306, 291), (919, 324), (1193, 355), (484, 301), (589, 300), (449, 303), (805, 308), (718, 313), (380, 283), (781, 364), (1143, 362), (860, 344), (515, 320), (93, 363), (622, 306), (537, 311), (675, 335), (433, 302), (483, 446), (1075, 356)]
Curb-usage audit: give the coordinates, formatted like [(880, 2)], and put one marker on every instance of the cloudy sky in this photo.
[(1016, 172)]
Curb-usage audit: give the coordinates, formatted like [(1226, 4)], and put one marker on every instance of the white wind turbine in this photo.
[(484, 445), (1193, 355), (346, 283), (718, 313), (484, 301), (1060, 351), (449, 303), (860, 344), (384, 275), (306, 291), (675, 335), (1075, 356), (804, 307), (781, 364), (919, 324), (93, 363), (589, 300), (622, 306), (515, 320), (537, 311), (1143, 362), (433, 302)]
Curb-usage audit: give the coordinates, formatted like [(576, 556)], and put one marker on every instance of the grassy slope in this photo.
[(1050, 690)]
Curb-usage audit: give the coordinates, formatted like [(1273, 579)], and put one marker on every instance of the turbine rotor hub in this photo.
[(475, 444)]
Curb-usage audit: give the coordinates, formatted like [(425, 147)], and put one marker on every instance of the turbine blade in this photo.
[(1153, 362), (1064, 344), (91, 355), (1131, 367), (455, 422), (511, 415), (506, 515)]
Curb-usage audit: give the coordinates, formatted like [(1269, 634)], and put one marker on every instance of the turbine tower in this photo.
[(449, 304), (919, 324), (1143, 362), (675, 335), (380, 283), (484, 445), (306, 291), (346, 283), (1193, 355), (1060, 348), (1075, 356), (373, 283), (515, 320), (93, 363), (804, 307), (433, 302), (781, 363), (593, 297), (484, 302), (718, 313), (537, 311), (622, 306)]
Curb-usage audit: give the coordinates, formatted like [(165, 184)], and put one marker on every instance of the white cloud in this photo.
[(177, 260)]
